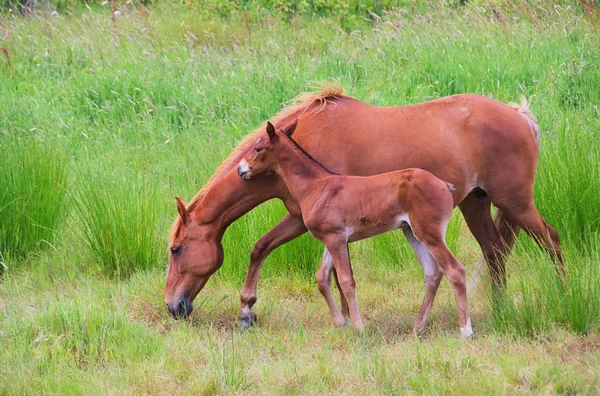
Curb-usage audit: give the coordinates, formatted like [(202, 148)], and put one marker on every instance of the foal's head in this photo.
[(262, 156)]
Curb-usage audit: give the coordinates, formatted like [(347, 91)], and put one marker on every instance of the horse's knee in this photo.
[(260, 250)]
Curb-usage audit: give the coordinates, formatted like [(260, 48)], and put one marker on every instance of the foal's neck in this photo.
[(298, 169)]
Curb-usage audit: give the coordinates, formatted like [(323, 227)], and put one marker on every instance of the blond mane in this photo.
[(298, 107)]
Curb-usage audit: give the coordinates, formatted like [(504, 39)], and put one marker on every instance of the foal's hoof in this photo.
[(247, 320)]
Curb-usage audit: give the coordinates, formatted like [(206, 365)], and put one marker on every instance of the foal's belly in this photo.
[(367, 227)]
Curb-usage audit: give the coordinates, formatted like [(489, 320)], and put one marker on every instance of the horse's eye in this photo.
[(176, 250), (258, 149)]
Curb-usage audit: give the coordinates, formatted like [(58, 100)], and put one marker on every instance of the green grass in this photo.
[(103, 122), (32, 197)]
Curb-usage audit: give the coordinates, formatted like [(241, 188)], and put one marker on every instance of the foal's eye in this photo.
[(176, 250), (258, 149)]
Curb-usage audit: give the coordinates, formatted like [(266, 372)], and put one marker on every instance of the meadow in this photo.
[(105, 117)]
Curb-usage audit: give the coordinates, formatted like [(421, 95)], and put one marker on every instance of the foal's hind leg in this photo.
[(431, 234), (433, 275), (544, 235), (455, 272)]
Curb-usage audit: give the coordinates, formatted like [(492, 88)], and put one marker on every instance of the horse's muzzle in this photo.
[(181, 308)]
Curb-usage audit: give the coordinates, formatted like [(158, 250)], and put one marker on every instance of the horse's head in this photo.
[(195, 253), (262, 156)]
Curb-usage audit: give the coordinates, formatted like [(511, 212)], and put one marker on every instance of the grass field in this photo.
[(105, 118)]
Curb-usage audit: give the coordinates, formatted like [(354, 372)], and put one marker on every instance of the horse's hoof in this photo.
[(247, 320)]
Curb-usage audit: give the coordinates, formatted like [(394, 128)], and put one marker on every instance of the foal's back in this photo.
[(362, 207)]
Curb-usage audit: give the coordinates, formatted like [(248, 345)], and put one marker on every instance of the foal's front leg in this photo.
[(338, 248), (324, 286)]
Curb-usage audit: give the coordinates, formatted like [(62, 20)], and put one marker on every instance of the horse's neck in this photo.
[(230, 197), (298, 172)]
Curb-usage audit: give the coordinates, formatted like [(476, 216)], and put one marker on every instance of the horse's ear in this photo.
[(271, 131), (183, 212), (290, 129)]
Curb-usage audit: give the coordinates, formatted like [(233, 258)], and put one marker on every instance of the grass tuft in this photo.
[(118, 220), (32, 196)]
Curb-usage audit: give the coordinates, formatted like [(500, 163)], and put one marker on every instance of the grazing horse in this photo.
[(338, 209), (487, 149)]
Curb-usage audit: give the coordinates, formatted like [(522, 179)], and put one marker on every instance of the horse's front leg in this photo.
[(290, 227)]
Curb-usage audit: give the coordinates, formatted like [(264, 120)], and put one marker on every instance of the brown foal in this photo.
[(338, 209)]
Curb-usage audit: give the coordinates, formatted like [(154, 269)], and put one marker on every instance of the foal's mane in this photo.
[(317, 101), (307, 155)]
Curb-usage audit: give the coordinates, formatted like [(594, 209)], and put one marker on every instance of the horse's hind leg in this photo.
[(544, 235), (432, 274), (324, 283), (476, 211)]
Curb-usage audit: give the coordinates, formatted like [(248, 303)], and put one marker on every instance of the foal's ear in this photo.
[(271, 132), (290, 129), (183, 212)]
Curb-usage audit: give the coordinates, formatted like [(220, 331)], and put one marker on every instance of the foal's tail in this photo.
[(507, 229)]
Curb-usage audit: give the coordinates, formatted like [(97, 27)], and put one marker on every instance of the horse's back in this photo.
[(462, 139)]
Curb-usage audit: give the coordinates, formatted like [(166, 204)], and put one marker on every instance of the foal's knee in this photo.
[(433, 277), (322, 281)]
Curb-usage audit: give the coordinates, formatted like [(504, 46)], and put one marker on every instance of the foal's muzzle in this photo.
[(181, 308), (243, 170)]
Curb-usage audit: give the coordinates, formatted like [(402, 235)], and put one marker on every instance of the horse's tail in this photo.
[(523, 110), (507, 229)]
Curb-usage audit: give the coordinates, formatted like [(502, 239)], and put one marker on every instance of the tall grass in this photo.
[(537, 301), (33, 181), (118, 221)]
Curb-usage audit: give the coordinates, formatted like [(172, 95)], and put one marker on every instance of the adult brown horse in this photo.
[(488, 149)]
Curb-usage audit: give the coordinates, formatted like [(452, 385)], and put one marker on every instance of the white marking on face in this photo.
[(244, 170)]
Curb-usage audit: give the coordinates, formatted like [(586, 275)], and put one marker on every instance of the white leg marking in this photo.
[(467, 331)]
